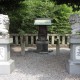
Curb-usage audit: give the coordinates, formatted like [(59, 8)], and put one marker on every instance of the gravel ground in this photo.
[(34, 66)]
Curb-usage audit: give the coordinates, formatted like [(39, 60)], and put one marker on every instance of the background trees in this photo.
[(36, 9), (24, 17), (9, 5), (74, 3), (22, 14), (60, 22)]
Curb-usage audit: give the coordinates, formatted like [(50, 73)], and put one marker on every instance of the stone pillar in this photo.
[(63, 40), (16, 40), (22, 38), (32, 40), (73, 65), (6, 64), (26, 40), (52, 39), (58, 47)]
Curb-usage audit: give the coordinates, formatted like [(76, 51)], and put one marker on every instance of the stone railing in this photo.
[(30, 39)]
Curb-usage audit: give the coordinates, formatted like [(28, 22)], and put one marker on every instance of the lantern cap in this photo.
[(42, 21)]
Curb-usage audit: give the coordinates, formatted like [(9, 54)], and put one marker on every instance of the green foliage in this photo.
[(11, 7), (21, 32), (30, 10), (74, 3), (36, 9), (60, 22), (23, 13)]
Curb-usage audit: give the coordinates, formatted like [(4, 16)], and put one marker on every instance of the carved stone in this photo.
[(73, 64), (4, 26), (75, 23), (6, 64), (74, 18)]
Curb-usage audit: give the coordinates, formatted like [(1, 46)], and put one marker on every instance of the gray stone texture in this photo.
[(73, 64), (6, 64)]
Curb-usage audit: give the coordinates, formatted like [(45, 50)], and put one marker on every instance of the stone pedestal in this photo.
[(6, 64), (73, 65), (42, 46), (42, 42)]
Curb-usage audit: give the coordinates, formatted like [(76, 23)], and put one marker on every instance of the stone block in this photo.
[(73, 67), (6, 67)]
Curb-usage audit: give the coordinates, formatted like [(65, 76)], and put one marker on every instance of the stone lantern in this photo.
[(42, 41), (73, 64)]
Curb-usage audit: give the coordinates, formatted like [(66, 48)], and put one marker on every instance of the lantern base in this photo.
[(42, 46)]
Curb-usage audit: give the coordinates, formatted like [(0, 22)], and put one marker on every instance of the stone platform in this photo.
[(73, 64), (6, 64)]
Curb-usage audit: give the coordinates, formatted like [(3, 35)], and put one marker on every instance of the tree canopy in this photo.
[(22, 14), (9, 5), (23, 18), (74, 3)]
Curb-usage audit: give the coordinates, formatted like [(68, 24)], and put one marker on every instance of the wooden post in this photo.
[(58, 46), (32, 40), (63, 40), (48, 37), (22, 45), (36, 37), (52, 39), (16, 40), (67, 40), (26, 40)]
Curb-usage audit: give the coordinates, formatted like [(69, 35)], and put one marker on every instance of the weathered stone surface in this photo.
[(75, 23), (42, 42), (73, 64), (4, 26), (6, 64)]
